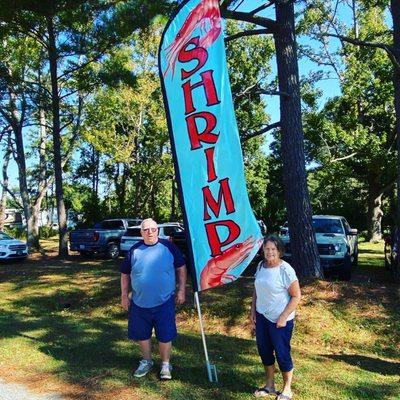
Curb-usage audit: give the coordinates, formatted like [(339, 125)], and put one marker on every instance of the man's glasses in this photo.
[(148, 230)]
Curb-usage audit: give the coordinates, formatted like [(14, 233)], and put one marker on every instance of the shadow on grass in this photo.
[(228, 302), (369, 301), (93, 352), (366, 389), (370, 364)]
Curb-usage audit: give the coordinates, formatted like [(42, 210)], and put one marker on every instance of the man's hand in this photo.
[(125, 303), (180, 296), (281, 323)]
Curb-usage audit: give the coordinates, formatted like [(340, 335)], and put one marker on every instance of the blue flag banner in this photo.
[(224, 234)]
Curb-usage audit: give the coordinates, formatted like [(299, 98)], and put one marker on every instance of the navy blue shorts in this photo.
[(273, 341), (161, 318)]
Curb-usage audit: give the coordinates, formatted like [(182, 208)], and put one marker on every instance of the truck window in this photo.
[(112, 224), (322, 225), (133, 232), (346, 225), (169, 230)]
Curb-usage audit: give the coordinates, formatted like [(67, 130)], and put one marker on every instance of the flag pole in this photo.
[(211, 368)]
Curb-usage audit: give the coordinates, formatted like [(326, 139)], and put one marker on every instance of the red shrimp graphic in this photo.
[(205, 15), (216, 271)]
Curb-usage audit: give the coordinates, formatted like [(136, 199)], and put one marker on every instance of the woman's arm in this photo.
[(295, 296), (253, 309)]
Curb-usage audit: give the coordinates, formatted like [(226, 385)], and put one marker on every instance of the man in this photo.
[(149, 268)]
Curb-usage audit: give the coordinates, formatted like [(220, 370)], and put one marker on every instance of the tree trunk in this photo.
[(173, 200), (3, 200), (374, 214), (55, 102), (302, 237), (17, 123), (395, 9)]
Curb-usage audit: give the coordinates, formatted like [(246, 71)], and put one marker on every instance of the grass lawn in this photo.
[(62, 330)]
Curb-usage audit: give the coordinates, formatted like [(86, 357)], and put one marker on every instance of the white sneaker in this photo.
[(143, 368), (165, 372)]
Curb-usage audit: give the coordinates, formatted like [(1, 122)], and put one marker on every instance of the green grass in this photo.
[(61, 329)]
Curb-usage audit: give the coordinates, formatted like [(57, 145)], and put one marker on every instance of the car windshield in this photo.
[(327, 226), (4, 236)]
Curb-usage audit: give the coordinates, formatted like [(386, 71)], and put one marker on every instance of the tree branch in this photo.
[(389, 49), (225, 4), (261, 131), (344, 157), (263, 7), (250, 32), (268, 23), (272, 93), (11, 194)]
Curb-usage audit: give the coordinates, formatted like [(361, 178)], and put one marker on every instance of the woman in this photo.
[(275, 298)]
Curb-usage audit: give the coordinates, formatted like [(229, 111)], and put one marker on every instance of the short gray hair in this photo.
[(147, 220)]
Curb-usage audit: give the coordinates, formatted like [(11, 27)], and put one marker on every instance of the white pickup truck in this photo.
[(337, 244)]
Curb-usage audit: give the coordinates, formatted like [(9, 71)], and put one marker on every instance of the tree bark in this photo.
[(17, 120), (56, 130), (375, 215), (302, 237), (173, 200), (3, 200), (395, 9)]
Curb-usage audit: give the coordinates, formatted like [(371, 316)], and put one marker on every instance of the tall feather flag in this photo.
[(223, 232)]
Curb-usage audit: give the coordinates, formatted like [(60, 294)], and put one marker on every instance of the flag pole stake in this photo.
[(211, 368)]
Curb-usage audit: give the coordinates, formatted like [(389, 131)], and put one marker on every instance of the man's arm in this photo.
[(125, 286), (182, 276)]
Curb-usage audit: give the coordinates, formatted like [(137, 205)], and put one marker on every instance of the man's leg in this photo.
[(145, 347), (165, 351), (139, 330)]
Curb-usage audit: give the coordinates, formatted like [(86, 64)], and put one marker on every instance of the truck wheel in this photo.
[(86, 254), (345, 273), (112, 251)]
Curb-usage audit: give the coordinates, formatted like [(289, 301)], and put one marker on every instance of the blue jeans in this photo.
[(274, 342)]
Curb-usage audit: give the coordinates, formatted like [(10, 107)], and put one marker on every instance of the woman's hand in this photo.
[(281, 323), (253, 319)]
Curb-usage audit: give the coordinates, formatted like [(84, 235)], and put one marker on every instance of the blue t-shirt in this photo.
[(152, 271)]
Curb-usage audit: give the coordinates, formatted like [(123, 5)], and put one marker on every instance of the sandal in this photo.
[(282, 396), (264, 391)]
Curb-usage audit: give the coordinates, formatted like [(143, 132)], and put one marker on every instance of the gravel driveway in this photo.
[(13, 391)]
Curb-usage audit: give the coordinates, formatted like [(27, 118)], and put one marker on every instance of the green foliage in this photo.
[(15, 232), (351, 139)]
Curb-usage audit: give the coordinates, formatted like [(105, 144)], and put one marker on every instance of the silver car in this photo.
[(133, 235)]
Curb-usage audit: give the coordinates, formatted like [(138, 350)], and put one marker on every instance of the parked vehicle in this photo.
[(392, 253), (132, 235), (11, 248), (337, 244), (104, 238), (180, 241)]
